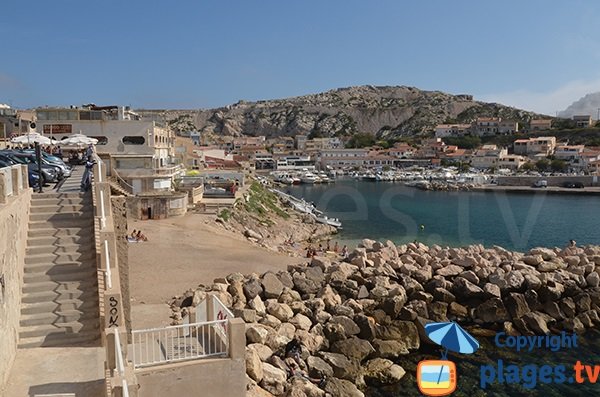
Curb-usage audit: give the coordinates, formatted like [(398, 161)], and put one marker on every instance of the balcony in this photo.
[(168, 171)]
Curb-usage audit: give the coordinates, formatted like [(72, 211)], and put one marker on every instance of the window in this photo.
[(134, 140), (102, 140)]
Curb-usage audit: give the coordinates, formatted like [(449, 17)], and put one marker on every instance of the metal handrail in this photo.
[(108, 273), (119, 352), (122, 181), (156, 346)]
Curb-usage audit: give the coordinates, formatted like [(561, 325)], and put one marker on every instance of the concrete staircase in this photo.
[(117, 189), (60, 292)]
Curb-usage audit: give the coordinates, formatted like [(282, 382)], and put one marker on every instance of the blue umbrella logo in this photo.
[(438, 377), (452, 337)]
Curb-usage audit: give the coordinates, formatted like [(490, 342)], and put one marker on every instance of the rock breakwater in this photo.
[(355, 317)]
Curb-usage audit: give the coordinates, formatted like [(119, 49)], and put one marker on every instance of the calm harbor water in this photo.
[(386, 210), (383, 210)]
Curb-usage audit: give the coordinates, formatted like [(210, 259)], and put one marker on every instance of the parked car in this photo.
[(573, 185), (49, 173), (541, 183), (33, 177), (53, 160), (30, 158)]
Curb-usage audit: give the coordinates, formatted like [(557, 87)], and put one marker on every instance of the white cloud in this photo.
[(546, 102)]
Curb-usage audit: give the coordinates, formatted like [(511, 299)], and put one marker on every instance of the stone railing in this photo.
[(13, 180), (120, 377)]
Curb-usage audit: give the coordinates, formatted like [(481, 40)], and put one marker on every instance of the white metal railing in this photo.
[(107, 272), (120, 362), (221, 312), (157, 346)]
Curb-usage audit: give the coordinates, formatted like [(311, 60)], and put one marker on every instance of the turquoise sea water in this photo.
[(384, 210), (381, 211)]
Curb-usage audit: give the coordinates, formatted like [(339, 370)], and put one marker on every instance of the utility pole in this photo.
[(38, 159)]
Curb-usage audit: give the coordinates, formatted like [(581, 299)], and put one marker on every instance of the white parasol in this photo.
[(32, 137), (78, 140)]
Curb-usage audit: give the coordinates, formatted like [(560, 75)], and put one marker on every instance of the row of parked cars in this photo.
[(54, 169), (570, 185)]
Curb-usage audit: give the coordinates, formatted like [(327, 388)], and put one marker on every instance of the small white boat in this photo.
[(329, 221), (309, 178), (302, 206)]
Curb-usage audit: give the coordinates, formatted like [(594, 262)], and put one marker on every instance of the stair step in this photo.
[(84, 293), (84, 274), (37, 241), (40, 196), (58, 248), (60, 339), (58, 302), (63, 329), (57, 269), (56, 216), (62, 223), (87, 230), (58, 317), (60, 258), (72, 286), (61, 208), (56, 202)]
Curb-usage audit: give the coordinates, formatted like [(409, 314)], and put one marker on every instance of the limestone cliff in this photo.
[(383, 111)]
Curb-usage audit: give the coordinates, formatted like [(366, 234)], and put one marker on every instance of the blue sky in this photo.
[(533, 54)]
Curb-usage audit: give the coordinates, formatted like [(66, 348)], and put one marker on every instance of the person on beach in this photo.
[(309, 252), (140, 237), (344, 252), (328, 246), (336, 248), (572, 243)]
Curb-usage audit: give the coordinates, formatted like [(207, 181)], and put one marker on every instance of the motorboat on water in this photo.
[(309, 178), (329, 221)]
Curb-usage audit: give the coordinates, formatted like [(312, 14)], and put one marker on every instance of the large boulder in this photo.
[(341, 387), (280, 310), (402, 331), (492, 311), (254, 365), (301, 387), (538, 322), (263, 351), (353, 348), (274, 379), (300, 321), (256, 333), (381, 371), (465, 288), (517, 305), (389, 348), (343, 367), (272, 285), (317, 367), (252, 288)]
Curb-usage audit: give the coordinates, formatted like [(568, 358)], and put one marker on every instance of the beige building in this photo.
[(582, 121), (495, 126), (533, 146), (342, 158), (445, 130), (139, 154), (487, 156), (540, 124)]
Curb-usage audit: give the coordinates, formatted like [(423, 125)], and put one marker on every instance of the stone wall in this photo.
[(552, 180), (14, 218)]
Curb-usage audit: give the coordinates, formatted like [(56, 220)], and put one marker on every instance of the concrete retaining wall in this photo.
[(210, 377), (14, 220), (552, 180)]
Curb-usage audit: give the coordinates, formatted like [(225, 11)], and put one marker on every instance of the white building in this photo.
[(342, 158), (137, 153), (446, 130)]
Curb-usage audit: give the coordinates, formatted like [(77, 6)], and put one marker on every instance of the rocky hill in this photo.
[(588, 104), (384, 111)]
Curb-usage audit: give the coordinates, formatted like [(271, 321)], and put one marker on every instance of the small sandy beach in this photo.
[(183, 252)]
